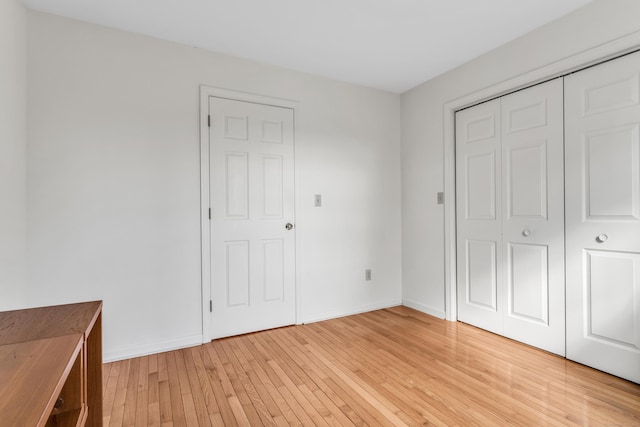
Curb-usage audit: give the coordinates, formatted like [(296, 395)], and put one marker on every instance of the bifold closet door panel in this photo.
[(509, 203), (479, 222), (533, 216), (602, 138)]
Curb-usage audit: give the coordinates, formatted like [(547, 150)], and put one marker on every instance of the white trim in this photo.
[(234, 95), (205, 248), (319, 317), (298, 218), (435, 312), (152, 348), (580, 60), (205, 93)]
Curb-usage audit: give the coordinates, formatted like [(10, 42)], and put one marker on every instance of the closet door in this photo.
[(533, 216), (479, 216), (509, 195), (603, 216)]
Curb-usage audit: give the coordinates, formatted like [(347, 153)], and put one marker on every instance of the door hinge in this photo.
[(209, 213), (209, 120), (210, 306)]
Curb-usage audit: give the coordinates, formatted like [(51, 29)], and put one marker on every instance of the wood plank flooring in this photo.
[(388, 367)]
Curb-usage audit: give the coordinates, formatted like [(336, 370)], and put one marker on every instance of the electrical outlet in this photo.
[(367, 274)]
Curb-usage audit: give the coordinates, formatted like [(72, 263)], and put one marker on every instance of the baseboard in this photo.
[(152, 348), (193, 340), (424, 308), (334, 315)]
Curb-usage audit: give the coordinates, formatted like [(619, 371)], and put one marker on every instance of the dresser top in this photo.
[(47, 322)]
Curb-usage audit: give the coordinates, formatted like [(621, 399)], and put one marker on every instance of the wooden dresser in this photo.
[(51, 366)]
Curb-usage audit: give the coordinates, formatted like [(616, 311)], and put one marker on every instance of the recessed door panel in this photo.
[(611, 94), (482, 275), (528, 282), (480, 128), (603, 216), (526, 116), (481, 186), (612, 173), (272, 132), (236, 186), (613, 280), (236, 128), (272, 184), (527, 184), (273, 269), (237, 273)]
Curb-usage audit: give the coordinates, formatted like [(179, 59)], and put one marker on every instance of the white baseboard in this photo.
[(152, 348), (194, 340), (424, 308), (334, 315)]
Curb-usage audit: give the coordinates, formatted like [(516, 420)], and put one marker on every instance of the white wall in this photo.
[(423, 260), (13, 139), (114, 191)]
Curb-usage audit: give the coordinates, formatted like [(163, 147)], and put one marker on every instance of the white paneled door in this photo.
[(252, 238), (603, 216), (510, 216), (533, 216), (479, 216)]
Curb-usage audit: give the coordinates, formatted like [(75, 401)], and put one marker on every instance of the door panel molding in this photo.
[(600, 325), (517, 162), (524, 303)]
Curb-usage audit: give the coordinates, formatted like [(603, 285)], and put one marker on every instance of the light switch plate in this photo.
[(317, 200), (440, 198)]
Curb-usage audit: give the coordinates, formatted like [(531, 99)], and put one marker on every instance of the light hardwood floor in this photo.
[(388, 367)]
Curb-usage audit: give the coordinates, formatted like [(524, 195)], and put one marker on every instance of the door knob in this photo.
[(526, 232), (602, 238), (289, 226)]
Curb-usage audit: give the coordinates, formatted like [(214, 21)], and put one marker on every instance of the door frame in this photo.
[(205, 226), (562, 67)]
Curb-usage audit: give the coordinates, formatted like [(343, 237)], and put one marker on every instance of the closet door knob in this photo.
[(526, 232), (602, 238)]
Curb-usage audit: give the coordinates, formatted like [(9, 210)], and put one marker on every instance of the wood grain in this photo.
[(48, 322), (92, 322), (32, 375), (38, 338), (388, 367)]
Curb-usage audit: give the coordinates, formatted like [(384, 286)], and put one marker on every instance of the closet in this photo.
[(548, 216)]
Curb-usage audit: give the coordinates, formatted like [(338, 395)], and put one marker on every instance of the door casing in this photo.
[(205, 93)]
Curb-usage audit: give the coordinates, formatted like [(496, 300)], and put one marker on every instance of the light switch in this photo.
[(318, 200), (440, 198)]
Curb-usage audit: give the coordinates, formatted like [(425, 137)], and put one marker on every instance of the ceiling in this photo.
[(391, 45)]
